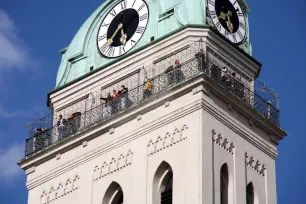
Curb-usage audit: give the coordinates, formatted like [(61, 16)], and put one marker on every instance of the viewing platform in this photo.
[(196, 60)]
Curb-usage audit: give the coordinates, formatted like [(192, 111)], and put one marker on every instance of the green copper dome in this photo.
[(165, 16)]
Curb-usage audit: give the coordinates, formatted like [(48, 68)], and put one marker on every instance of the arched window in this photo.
[(250, 193), (163, 184), (113, 195), (224, 184)]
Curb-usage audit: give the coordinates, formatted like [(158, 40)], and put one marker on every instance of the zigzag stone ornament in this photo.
[(113, 166), (223, 142), (255, 165), (54, 194), (163, 142)]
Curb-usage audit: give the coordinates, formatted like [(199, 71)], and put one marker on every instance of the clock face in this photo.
[(229, 19), (122, 28)]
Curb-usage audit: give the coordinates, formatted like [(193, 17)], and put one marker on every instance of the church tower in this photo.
[(157, 102)]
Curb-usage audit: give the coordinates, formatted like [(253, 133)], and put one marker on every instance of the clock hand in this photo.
[(109, 41), (227, 19), (229, 23), (123, 37), (123, 34)]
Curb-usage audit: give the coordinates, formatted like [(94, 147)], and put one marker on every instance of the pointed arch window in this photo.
[(113, 195), (163, 184), (250, 193), (224, 180)]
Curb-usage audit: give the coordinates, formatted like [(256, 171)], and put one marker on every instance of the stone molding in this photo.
[(255, 164), (114, 165), (223, 142), (62, 189), (163, 142)]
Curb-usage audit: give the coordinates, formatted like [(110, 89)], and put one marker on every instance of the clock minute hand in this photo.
[(229, 23), (109, 41)]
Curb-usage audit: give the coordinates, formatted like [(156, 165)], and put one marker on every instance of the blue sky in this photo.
[(33, 31)]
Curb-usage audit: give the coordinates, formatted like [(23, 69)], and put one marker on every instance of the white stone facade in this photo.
[(194, 128)]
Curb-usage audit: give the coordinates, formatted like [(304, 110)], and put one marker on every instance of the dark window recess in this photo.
[(166, 196), (224, 184), (152, 38), (91, 68), (250, 194)]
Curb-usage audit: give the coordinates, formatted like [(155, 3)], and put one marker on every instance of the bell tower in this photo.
[(157, 102)]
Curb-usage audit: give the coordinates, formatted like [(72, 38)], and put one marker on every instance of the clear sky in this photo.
[(33, 31)]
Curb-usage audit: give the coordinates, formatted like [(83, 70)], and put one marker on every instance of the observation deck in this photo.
[(197, 60)]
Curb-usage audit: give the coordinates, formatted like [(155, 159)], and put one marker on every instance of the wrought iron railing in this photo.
[(198, 65)]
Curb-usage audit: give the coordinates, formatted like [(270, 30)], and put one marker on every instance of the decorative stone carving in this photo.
[(60, 191), (167, 141), (121, 161), (44, 197), (52, 194), (113, 166), (164, 142), (68, 186), (159, 144), (76, 182), (176, 136), (104, 170), (255, 165), (151, 148), (97, 173), (223, 142), (129, 158)]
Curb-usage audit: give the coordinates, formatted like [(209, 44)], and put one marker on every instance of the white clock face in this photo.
[(228, 18), (122, 28)]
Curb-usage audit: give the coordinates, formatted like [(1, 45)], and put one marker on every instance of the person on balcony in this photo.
[(115, 101), (174, 73), (147, 89), (123, 92), (61, 127), (224, 77), (107, 110), (201, 60)]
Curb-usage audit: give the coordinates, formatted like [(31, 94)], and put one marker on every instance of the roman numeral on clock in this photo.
[(110, 51), (141, 7), (143, 17), (212, 2), (123, 5), (133, 42), (213, 14), (102, 37), (113, 12), (121, 50), (218, 25), (240, 34), (226, 33), (105, 25), (241, 25), (133, 3), (140, 30), (239, 14), (234, 38)]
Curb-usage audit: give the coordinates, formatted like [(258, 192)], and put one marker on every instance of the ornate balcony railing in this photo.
[(200, 64)]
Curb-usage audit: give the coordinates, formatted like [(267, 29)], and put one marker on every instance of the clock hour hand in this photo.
[(110, 41), (123, 37), (227, 18)]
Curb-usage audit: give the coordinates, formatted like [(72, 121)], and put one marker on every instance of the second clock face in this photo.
[(122, 28), (228, 18)]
